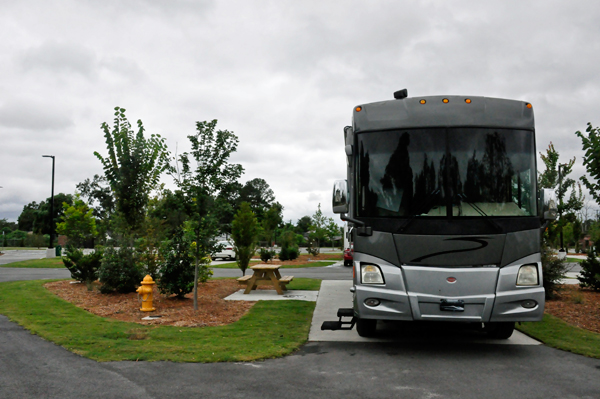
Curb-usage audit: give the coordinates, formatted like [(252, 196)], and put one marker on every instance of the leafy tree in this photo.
[(201, 185), (35, 217), (177, 270), (244, 231), (227, 204), (77, 224), (258, 195), (98, 196), (7, 226), (132, 168), (271, 219), (303, 224), (27, 217), (171, 209)]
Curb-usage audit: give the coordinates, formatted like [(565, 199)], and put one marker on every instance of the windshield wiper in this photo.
[(496, 226), (463, 198), (423, 209)]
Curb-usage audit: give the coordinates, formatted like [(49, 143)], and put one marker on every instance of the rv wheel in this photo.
[(366, 327), (501, 330)]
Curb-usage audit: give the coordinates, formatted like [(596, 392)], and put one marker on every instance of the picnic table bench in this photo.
[(265, 275)]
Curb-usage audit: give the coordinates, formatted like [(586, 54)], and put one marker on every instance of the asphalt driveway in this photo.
[(31, 367)]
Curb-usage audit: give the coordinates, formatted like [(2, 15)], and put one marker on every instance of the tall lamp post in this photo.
[(560, 204), (51, 205)]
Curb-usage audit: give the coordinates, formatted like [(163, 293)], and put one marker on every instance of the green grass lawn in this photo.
[(270, 329), (45, 263), (556, 333), (234, 265), (574, 260)]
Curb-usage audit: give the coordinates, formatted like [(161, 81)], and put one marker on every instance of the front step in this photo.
[(340, 324)]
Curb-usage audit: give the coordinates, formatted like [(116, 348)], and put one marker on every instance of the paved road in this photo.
[(338, 272), (33, 368), (17, 256)]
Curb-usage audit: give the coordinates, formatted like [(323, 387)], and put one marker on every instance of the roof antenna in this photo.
[(400, 94)]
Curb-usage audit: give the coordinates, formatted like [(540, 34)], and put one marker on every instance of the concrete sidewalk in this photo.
[(336, 294)]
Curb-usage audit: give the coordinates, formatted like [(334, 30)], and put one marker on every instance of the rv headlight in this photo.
[(528, 275), (370, 274)]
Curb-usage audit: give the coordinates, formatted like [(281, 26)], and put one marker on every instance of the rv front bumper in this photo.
[(402, 298)]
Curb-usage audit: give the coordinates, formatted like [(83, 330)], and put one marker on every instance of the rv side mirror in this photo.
[(548, 204), (340, 196)]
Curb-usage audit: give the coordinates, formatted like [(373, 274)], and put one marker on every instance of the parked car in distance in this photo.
[(348, 256), (226, 251)]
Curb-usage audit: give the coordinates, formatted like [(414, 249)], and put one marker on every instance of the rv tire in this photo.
[(366, 327), (501, 330)]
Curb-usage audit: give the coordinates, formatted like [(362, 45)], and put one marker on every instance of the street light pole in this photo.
[(51, 205), (560, 204)]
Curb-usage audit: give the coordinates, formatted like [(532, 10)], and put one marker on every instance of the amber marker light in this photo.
[(445, 101), (358, 109), (529, 105), (468, 100), (422, 101)]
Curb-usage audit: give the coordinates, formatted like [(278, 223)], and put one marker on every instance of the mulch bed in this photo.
[(213, 310), (576, 306)]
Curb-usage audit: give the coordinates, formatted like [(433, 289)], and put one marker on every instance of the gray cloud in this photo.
[(283, 76), (31, 115)]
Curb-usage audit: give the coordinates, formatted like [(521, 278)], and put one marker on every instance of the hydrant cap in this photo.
[(148, 280)]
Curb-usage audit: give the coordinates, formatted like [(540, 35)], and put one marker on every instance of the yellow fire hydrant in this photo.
[(145, 291)]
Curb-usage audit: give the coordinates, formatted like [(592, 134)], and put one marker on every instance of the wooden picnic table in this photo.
[(265, 274)]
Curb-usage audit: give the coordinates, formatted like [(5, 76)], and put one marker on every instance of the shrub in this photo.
[(176, 272), (266, 254), (83, 268), (590, 272), (553, 270), (120, 270), (288, 253)]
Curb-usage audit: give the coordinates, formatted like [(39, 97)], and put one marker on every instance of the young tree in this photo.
[(555, 177), (132, 168), (244, 231), (333, 230), (99, 197), (319, 227), (591, 160), (201, 184), (77, 223)]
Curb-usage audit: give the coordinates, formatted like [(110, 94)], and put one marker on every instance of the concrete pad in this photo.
[(572, 278), (271, 295), (336, 294)]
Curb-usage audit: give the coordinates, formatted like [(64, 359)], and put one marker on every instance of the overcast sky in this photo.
[(284, 76)]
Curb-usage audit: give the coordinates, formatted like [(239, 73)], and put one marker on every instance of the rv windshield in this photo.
[(440, 172)]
